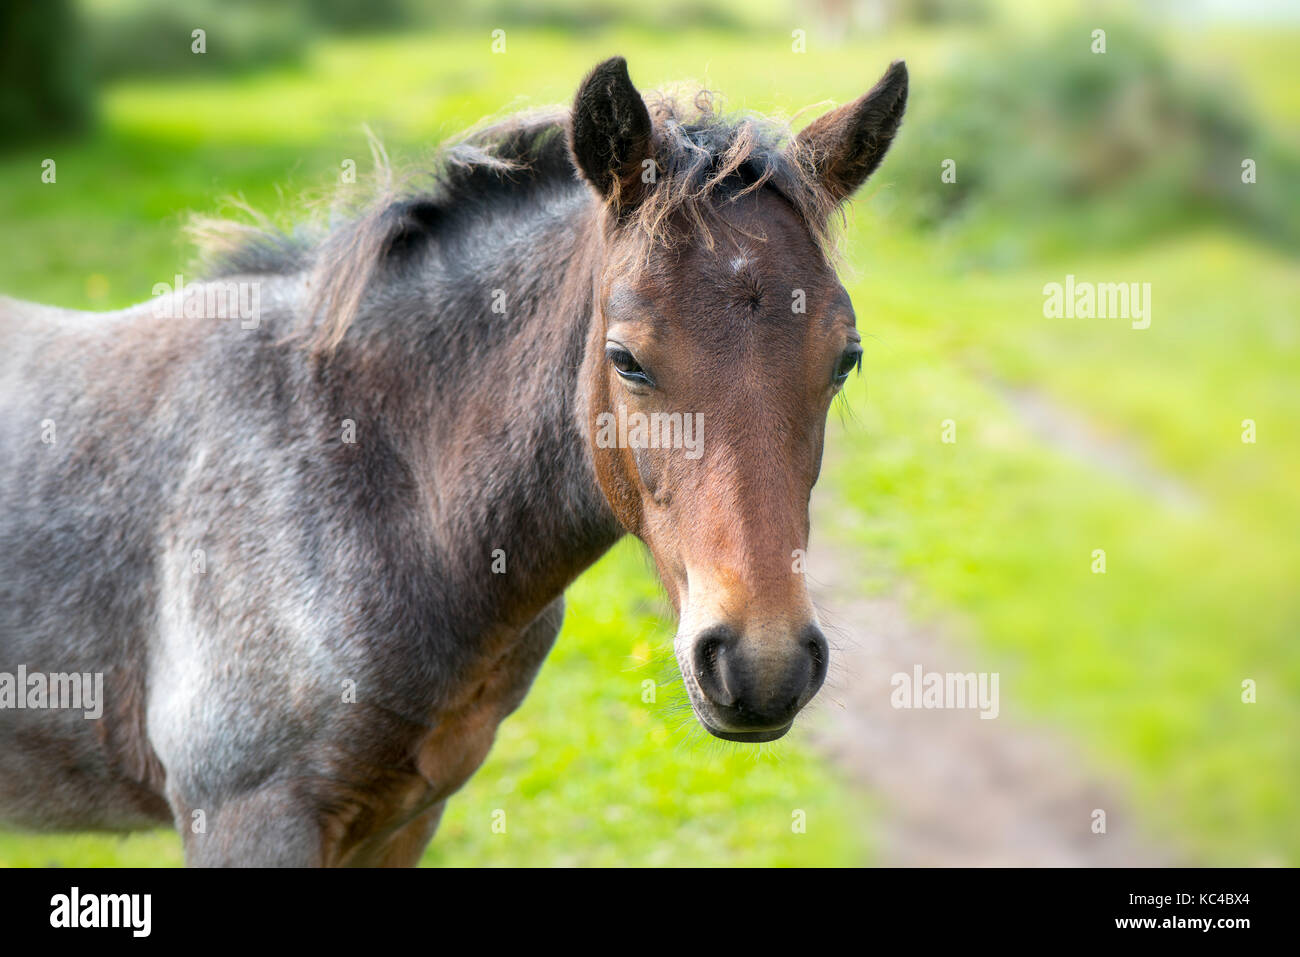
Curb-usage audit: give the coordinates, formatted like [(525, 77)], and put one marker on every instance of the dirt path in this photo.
[(1070, 435), (954, 789)]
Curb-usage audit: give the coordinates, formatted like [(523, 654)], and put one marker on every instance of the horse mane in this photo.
[(703, 157)]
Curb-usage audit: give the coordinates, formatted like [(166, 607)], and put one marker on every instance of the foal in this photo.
[(318, 553)]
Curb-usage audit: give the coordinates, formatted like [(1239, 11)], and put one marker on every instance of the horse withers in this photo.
[(315, 555)]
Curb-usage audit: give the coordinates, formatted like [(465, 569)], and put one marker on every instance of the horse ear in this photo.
[(846, 145), (610, 134)]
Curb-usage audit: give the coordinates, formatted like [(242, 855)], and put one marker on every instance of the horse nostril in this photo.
[(760, 685), (709, 658), (819, 651), (815, 649)]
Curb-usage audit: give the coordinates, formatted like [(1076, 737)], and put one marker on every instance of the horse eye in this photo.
[(625, 365), (850, 360)]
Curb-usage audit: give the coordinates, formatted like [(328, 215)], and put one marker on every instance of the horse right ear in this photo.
[(610, 136), (846, 145)]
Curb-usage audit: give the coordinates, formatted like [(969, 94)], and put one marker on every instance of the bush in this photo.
[(45, 86), (1079, 148), (152, 37)]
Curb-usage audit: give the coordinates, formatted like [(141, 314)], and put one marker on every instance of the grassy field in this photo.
[(996, 531), (1145, 662)]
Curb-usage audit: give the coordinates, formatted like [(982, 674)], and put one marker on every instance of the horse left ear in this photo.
[(610, 137), (846, 145)]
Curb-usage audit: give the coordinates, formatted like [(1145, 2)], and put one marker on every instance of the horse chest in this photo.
[(464, 732), (458, 744), (445, 757)]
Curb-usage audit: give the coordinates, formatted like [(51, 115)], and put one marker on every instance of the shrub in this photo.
[(45, 86), (1078, 148)]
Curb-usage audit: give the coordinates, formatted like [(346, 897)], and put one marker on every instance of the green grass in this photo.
[(1143, 665), (1145, 662)]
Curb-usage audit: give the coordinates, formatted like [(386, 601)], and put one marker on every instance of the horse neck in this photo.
[(478, 370)]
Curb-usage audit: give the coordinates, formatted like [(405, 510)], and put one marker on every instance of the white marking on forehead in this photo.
[(739, 263)]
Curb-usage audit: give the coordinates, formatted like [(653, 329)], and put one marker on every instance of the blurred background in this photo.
[(974, 471)]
